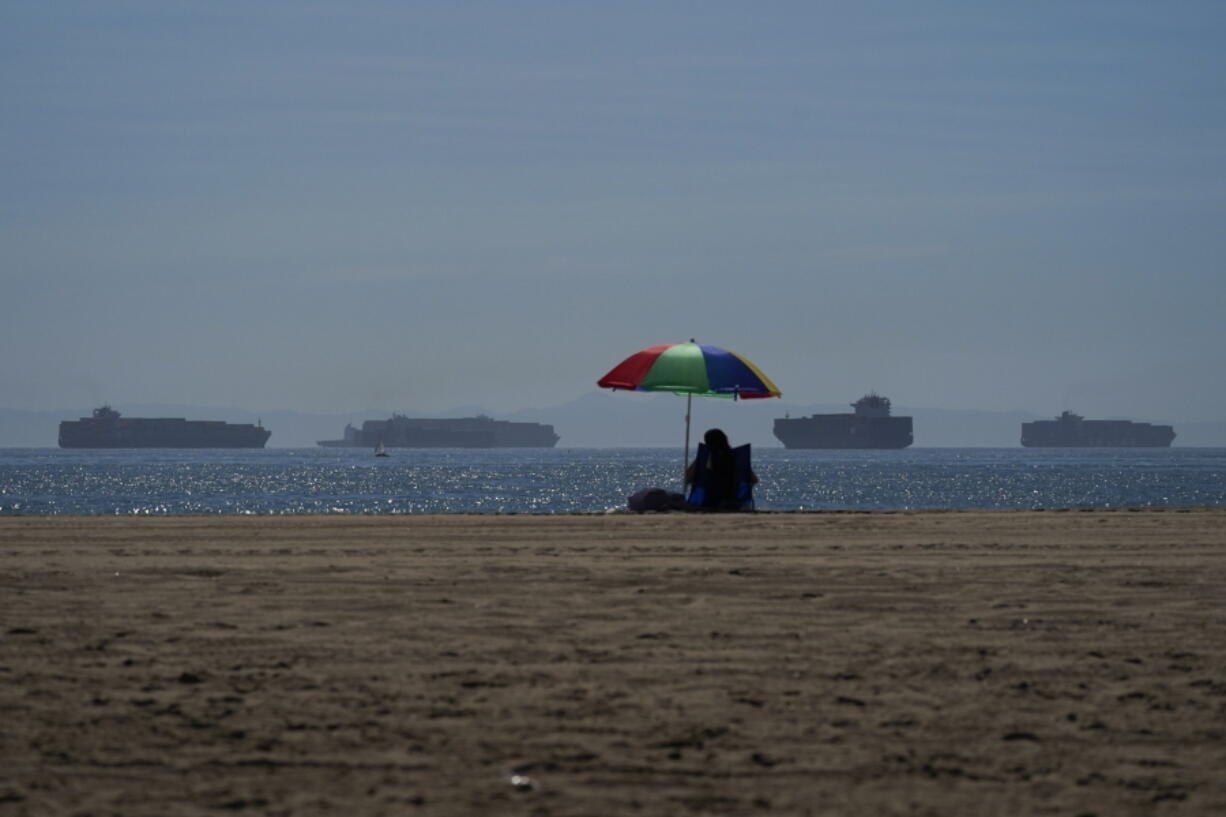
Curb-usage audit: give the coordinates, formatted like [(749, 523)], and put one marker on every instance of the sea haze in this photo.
[(602, 419), (314, 480)]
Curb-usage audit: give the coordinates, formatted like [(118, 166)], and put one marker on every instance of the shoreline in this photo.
[(621, 511), (951, 662)]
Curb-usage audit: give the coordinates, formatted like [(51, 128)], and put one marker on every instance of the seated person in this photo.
[(721, 476)]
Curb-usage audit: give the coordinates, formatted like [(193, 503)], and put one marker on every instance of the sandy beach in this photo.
[(910, 663)]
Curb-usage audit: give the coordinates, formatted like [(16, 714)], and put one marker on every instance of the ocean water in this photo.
[(318, 480)]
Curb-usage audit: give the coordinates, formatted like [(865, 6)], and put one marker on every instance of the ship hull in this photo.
[(844, 431), (1096, 434), (160, 433), (465, 432)]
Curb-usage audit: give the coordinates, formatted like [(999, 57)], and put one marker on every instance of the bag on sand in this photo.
[(656, 499)]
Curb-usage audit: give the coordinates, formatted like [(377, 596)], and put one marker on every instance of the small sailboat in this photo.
[(380, 451)]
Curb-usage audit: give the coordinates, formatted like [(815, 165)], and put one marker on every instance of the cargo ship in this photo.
[(1071, 430), (869, 426), (462, 432), (108, 429)]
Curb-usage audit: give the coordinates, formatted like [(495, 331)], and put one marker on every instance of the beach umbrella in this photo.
[(690, 369)]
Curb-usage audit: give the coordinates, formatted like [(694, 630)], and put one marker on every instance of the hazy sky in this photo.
[(333, 206)]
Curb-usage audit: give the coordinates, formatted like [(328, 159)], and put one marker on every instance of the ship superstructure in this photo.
[(462, 432), (1071, 430), (869, 426), (107, 428)]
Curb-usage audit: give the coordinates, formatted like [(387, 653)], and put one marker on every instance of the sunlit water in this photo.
[(270, 481)]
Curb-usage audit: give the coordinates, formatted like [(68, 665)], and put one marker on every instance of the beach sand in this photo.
[(910, 663)]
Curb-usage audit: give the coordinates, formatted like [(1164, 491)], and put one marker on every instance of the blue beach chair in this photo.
[(706, 492)]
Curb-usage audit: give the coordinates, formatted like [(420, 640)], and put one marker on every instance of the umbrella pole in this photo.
[(685, 464)]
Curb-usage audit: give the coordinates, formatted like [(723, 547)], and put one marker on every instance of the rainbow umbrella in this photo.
[(690, 369)]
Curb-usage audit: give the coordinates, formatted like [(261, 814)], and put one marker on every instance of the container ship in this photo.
[(108, 429), (463, 432), (1071, 430), (869, 426)]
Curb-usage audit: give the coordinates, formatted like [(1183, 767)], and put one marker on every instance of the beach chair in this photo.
[(707, 494)]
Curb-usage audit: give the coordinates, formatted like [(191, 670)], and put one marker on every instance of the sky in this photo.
[(336, 206)]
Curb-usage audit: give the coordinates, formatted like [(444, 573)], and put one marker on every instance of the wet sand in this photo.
[(928, 663)]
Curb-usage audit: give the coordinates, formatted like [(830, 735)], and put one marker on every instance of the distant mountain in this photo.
[(630, 419), (1199, 435), (619, 419), (290, 429), (31, 429), (597, 419)]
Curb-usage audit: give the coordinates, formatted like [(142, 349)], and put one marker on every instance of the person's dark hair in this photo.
[(716, 439), (722, 468)]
